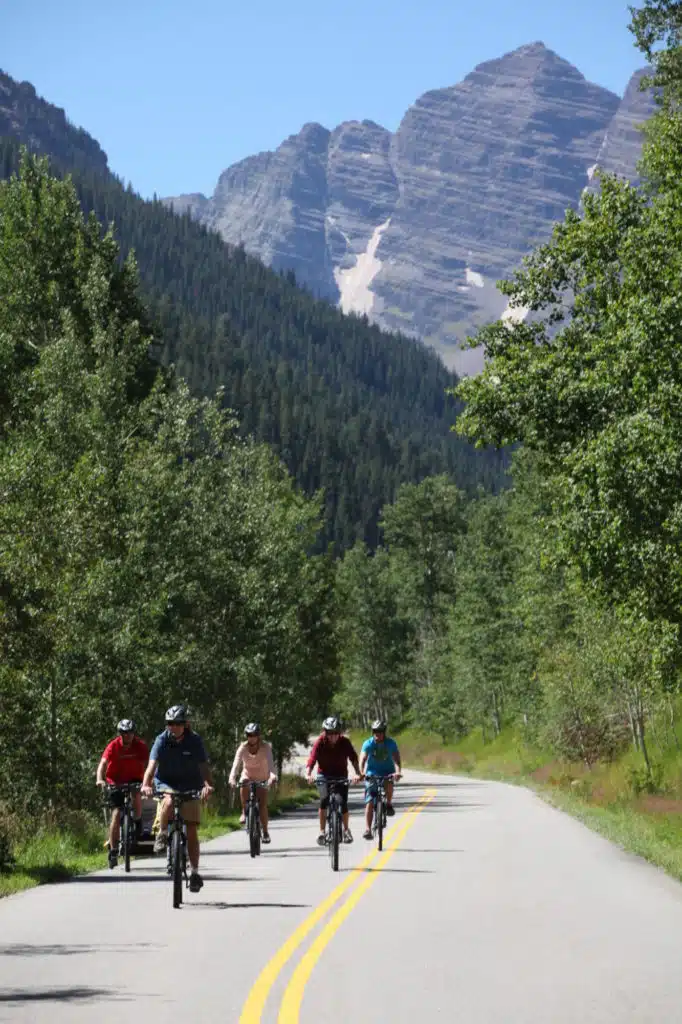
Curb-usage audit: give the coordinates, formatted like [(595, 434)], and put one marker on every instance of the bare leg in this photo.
[(137, 805), (193, 846), (166, 813), (345, 820), (323, 819), (244, 796), (263, 806), (389, 793), (114, 828)]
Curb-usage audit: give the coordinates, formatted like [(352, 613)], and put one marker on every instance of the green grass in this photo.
[(43, 853), (608, 798)]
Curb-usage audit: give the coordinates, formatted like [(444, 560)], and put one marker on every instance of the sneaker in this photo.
[(347, 836), (195, 882), (266, 836), (113, 858), (161, 843), (390, 810), (321, 839), (367, 834), (242, 819)]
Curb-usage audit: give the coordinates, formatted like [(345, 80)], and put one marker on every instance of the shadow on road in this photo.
[(23, 949), (217, 905), (61, 995), (414, 849), (391, 871)]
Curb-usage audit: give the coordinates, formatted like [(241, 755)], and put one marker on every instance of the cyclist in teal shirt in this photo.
[(379, 756)]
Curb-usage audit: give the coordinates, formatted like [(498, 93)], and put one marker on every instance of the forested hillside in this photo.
[(348, 408), (555, 608)]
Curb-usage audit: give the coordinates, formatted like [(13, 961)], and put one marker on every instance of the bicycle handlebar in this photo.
[(181, 794)]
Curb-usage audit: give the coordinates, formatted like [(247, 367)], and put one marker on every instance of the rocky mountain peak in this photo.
[(413, 228)]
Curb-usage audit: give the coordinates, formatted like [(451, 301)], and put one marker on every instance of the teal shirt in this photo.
[(380, 756)]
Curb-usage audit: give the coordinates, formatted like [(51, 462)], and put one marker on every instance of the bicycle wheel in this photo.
[(176, 862), (126, 839), (254, 831), (379, 811), (334, 845)]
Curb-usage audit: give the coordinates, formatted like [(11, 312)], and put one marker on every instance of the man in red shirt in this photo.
[(332, 752), (123, 760)]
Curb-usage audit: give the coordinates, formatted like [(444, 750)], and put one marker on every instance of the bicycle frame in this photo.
[(126, 832), (176, 864), (252, 813), (334, 823)]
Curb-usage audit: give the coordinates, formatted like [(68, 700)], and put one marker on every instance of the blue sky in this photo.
[(176, 91)]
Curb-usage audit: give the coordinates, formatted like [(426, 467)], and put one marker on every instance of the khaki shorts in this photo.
[(191, 810)]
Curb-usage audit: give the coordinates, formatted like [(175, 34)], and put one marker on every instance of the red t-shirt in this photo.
[(126, 764), (332, 758)]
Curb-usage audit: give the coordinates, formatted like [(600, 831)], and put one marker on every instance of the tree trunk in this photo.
[(671, 719), (53, 741)]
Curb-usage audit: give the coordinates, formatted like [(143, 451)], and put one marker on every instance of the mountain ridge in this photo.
[(413, 227)]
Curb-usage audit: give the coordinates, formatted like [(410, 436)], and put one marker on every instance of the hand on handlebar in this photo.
[(146, 790), (358, 777), (101, 782), (206, 791)]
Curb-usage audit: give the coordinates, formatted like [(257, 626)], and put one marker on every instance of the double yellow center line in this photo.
[(291, 1001)]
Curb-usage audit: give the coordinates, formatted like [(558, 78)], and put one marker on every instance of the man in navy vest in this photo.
[(178, 761)]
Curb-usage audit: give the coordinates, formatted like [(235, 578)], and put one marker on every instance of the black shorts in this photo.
[(116, 798), (342, 790)]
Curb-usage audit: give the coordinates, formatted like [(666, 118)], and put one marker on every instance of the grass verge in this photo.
[(43, 853), (612, 799)]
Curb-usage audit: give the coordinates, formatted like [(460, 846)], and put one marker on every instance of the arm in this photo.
[(363, 759), (271, 763), (149, 778), (100, 779), (398, 761), (353, 758), (207, 778), (235, 765), (312, 759)]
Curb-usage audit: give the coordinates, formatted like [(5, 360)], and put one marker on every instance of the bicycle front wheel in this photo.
[(336, 828), (176, 864), (379, 811), (254, 832), (125, 832)]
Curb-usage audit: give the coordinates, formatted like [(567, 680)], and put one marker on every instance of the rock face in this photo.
[(622, 146), (44, 128), (414, 228)]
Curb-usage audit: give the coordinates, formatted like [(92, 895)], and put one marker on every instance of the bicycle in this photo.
[(176, 863), (378, 792), (334, 826), (127, 830), (252, 813)]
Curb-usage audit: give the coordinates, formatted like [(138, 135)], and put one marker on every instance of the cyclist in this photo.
[(331, 752), (379, 756), (123, 760), (255, 757), (178, 761)]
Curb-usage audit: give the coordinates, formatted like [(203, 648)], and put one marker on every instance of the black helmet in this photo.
[(332, 724), (126, 725), (379, 725), (252, 729), (177, 714)]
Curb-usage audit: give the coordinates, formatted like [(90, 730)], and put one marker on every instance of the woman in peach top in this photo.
[(255, 757)]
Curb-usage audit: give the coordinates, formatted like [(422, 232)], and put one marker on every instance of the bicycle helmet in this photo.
[(177, 714), (332, 724), (379, 725), (252, 729), (126, 725)]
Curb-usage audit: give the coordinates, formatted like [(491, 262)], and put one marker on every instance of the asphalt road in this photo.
[(491, 908)]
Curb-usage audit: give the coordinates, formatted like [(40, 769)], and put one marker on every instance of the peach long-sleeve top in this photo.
[(256, 767)]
